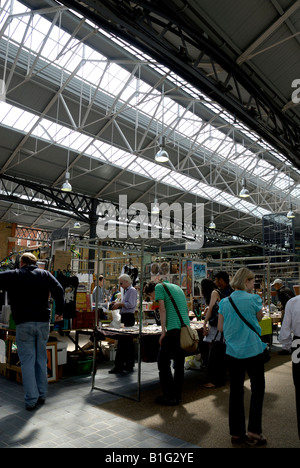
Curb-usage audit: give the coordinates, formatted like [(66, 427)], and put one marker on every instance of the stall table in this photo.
[(149, 337), (267, 329), (148, 340)]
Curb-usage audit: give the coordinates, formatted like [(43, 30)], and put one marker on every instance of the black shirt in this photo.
[(284, 295), (28, 293)]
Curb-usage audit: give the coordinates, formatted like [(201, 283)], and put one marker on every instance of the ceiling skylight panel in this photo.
[(12, 116), (149, 106), (40, 132), (117, 78), (160, 172), (261, 211), (16, 30), (129, 92), (80, 143), (69, 61), (226, 198), (282, 181), (180, 181), (138, 166), (225, 149), (211, 191), (263, 170), (26, 122), (99, 150), (200, 190), (91, 72), (186, 182), (149, 166), (121, 158), (57, 132), (34, 40), (296, 192)]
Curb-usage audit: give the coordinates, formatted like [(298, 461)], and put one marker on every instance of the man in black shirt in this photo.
[(28, 290), (284, 294), (221, 280)]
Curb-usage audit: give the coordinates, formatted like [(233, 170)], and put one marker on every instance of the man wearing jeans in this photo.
[(28, 290)]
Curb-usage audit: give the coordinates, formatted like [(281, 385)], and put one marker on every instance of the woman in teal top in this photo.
[(244, 352)]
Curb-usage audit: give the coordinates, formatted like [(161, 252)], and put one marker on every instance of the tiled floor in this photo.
[(71, 417)]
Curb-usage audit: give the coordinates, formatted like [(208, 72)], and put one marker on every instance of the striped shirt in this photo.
[(172, 319)]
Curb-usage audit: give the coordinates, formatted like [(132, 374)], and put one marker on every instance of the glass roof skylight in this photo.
[(47, 41)]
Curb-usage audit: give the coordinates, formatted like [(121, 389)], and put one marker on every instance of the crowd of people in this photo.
[(232, 311)]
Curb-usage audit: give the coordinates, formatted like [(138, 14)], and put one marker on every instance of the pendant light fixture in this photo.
[(155, 207), (67, 187), (291, 213), (244, 193), (212, 224), (162, 155)]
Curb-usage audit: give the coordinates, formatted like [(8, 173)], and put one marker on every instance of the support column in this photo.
[(93, 225)]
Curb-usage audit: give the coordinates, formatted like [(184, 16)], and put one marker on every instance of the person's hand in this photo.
[(205, 330), (161, 337)]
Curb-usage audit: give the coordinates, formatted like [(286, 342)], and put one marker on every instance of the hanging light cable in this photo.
[(67, 187), (162, 155)]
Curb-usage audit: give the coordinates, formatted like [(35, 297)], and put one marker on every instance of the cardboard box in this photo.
[(62, 260), (61, 353)]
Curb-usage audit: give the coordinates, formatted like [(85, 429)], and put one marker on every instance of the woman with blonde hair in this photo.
[(244, 353)]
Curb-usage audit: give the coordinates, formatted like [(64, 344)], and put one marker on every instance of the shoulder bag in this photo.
[(266, 353), (189, 339)]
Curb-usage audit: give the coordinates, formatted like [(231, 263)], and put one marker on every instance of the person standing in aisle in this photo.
[(284, 295), (244, 353), (222, 282), (102, 304), (124, 359), (28, 291), (100, 289), (169, 341), (289, 337)]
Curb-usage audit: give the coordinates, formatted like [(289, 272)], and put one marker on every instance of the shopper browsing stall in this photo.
[(28, 290), (170, 348), (244, 352), (125, 351)]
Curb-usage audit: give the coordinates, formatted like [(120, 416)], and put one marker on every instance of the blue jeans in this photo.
[(31, 340)]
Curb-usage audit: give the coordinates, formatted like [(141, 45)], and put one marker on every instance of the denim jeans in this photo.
[(31, 340)]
